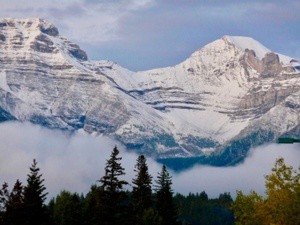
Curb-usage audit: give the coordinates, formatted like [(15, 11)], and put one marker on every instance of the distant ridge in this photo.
[(228, 96)]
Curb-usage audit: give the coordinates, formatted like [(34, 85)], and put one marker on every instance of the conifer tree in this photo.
[(142, 192), (14, 214), (94, 206), (34, 198), (113, 186), (67, 209), (164, 198)]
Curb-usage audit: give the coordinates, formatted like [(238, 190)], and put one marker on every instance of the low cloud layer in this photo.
[(246, 177), (75, 162)]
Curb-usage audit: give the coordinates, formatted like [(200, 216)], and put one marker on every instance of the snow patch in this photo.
[(260, 50), (3, 82), (246, 42)]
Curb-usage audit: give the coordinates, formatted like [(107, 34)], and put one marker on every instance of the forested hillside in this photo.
[(149, 201)]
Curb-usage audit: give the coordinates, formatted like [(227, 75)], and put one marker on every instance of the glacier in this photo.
[(227, 97)]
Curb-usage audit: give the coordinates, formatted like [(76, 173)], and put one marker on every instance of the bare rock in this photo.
[(271, 65), (43, 44), (50, 30), (77, 52)]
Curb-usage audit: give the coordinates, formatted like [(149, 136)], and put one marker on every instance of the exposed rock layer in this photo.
[(231, 91)]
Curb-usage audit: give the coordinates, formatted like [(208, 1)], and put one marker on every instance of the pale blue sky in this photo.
[(145, 34)]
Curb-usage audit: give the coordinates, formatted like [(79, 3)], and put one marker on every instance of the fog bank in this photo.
[(75, 162)]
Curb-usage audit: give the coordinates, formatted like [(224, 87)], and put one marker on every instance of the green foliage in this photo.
[(164, 198), (282, 202), (113, 197), (197, 209), (15, 206), (34, 198), (141, 190), (151, 217), (12, 206), (245, 207), (67, 209), (282, 189), (24, 205), (113, 170), (93, 206), (109, 204)]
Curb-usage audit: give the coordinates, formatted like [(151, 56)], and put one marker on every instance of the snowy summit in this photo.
[(227, 97)]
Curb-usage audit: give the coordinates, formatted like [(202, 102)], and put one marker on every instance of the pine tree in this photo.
[(15, 206), (141, 193), (113, 186), (67, 209), (164, 198), (34, 198)]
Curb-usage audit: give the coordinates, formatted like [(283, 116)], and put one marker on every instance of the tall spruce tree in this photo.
[(141, 192), (34, 198), (14, 214), (164, 198), (113, 202)]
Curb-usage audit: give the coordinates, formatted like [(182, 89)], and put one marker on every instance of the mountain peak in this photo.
[(220, 100), (244, 43), (30, 24), (36, 34)]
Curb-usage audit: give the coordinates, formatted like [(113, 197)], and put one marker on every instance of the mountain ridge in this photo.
[(225, 94)]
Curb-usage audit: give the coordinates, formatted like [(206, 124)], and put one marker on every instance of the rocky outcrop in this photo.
[(223, 96), (43, 44), (77, 52), (49, 30), (250, 59), (271, 65)]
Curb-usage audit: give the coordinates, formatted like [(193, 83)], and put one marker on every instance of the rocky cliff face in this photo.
[(231, 94)]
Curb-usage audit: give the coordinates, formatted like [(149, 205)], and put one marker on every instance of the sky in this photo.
[(146, 34), (140, 35), (75, 162)]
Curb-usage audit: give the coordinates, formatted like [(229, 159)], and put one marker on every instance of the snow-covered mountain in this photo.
[(228, 96)]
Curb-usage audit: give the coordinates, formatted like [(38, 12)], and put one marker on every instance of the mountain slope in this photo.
[(221, 92), (228, 96)]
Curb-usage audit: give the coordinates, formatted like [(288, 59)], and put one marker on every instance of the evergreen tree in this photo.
[(141, 193), (14, 214), (94, 206), (164, 198), (67, 209), (34, 198), (112, 185)]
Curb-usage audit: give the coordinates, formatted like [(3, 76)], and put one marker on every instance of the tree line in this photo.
[(149, 202)]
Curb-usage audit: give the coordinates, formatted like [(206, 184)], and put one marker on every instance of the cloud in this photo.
[(67, 161), (247, 176), (81, 20), (144, 34), (76, 161)]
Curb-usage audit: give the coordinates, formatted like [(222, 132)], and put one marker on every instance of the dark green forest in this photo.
[(150, 201)]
